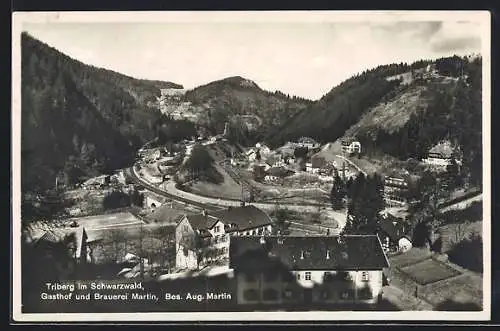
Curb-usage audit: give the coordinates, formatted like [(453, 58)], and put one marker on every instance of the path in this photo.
[(352, 164)]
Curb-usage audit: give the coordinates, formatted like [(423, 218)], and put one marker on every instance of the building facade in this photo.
[(308, 271), (395, 191), (441, 155), (350, 146), (204, 238)]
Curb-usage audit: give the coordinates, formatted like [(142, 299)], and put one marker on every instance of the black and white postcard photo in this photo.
[(251, 166)]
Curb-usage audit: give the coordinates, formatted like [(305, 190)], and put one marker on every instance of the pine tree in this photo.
[(337, 193)]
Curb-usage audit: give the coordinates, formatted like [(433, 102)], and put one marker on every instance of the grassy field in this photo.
[(429, 271), (467, 288), (228, 189), (392, 115), (440, 283)]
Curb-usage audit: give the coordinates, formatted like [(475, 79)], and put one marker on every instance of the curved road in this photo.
[(170, 191)]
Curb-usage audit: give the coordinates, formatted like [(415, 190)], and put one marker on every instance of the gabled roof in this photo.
[(238, 218), (200, 221), (244, 217), (307, 140), (58, 235), (165, 213), (444, 149), (351, 252)]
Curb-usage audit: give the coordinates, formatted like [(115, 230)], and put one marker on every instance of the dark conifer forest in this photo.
[(78, 120)]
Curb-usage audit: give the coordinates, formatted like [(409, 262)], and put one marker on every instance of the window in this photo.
[(224, 250), (288, 294), (251, 295), (325, 294), (365, 293), (250, 277), (217, 229), (298, 276), (270, 276), (270, 294), (365, 276), (185, 228), (346, 295), (308, 275), (344, 275)]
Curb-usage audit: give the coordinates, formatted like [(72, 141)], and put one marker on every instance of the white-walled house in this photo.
[(308, 270), (350, 146), (263, 148), (307, 142), (204, 238), (251, 154)]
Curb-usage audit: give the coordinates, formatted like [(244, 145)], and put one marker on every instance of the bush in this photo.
[(116, 199)]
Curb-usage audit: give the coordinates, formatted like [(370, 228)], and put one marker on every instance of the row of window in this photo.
[(258, 231), (290, 294), (328, 276), (220, 239)]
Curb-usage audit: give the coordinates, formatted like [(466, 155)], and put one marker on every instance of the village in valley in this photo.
[(357, 206), (287, 200)]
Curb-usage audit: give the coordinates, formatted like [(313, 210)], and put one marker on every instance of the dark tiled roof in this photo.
[(245, 217), (59, 235), (165, 213), (443, 149), (241, 218), (355, 252), (200, 221)]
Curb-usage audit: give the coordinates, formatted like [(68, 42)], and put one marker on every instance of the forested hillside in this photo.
[(78, 120), (328, 119), (453, 112), (400, 116), (228, 99)]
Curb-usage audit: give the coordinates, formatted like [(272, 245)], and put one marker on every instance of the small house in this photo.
[(350, 146)]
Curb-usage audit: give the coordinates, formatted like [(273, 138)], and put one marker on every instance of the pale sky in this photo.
[(299, 58)]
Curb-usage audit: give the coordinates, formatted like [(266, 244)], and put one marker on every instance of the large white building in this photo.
[(204, 238), (308, 270)]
